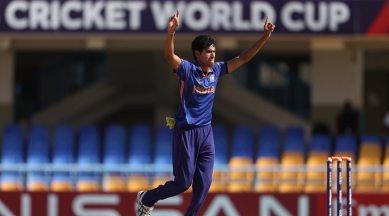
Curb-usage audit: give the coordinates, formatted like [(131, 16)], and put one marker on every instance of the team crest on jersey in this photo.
[(212, 78)]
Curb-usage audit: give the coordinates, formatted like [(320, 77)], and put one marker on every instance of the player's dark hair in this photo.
[(201, 42)]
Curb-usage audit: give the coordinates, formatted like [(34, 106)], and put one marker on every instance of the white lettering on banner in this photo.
[(172, 201), (94, 17), (329, 16), (53, 205), (221, 203), (373, 210), (340, 13), (4, 211), (135, 8), (10, 15), (221, 16), (25, 207), (81, 201), (119, 15), (258, 8), (269, 205)]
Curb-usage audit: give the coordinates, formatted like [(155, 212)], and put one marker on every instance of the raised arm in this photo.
[(170, 56), (247, 55)]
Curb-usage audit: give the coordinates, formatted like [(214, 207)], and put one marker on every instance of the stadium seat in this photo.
[(63, 155), (267, 159), (292, 160), (38, 155), (139, 156), (12, 154), (385, 176), (241, 162), (316, 164), (368, 175), (163, 156), (88, 156), (345, 145), (114, 155), (219, 182)]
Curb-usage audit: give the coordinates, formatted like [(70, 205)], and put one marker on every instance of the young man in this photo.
[(193, 146)]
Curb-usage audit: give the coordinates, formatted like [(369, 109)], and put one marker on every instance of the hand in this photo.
[(173, 23), (268, 27)]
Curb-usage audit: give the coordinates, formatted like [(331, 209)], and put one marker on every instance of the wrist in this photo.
[(171, 33)]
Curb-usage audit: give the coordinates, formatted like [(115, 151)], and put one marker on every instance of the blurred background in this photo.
[(86, 83)]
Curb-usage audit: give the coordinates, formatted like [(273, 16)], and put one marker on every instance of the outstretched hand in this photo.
[(173, 22), (268, 27)]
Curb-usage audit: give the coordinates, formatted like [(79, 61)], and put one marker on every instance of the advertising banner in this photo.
[(221, 16), (244, 204)]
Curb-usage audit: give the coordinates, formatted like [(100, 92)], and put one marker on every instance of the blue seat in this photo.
[(12, 154), (220, 137), (38, 155), (242, 142), (139, 156), (140, 143), (163, 146), (268, 142), (346, 144), (320, 143), (294, 139), (63, 155), (241, 158), (114, 154), (115, 145), (267, 159), (88, 155)]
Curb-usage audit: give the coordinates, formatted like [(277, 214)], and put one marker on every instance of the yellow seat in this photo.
[(61, 186), (219, 181), (114, 183), (241, 175), (88, 186), (137, 182), (266, 177), (11, 186), (368, 176), (291, 177), (385, 176), (316, 172), (37, 186)]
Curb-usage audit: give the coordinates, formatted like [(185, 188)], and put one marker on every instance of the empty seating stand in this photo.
[(114, 155), (316, 172), (267, 161), (12, 155), (241, 174), (37, 156), (139, 157), (88, 180), (292, 160), (63, 156), (369, 175)]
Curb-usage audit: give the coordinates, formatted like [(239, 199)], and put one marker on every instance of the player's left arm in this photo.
[(248, 54)]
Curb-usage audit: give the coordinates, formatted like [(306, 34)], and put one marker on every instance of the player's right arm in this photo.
[(173, 60)]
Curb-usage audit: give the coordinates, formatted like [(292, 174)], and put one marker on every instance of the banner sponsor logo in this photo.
[(115, 204)]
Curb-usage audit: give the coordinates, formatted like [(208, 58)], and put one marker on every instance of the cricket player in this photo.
[(193, 145)]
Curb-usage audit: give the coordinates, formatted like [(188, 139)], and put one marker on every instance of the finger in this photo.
[(266, 20), (177, 13)]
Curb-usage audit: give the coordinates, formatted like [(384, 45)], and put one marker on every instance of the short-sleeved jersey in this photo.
[(197, 93)]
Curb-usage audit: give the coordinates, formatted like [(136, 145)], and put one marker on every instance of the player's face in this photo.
[(207, 56)]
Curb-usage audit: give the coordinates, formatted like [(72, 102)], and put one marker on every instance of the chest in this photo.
[(204, 81)]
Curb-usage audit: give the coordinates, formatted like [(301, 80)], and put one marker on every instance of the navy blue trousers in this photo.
[(193, 158)]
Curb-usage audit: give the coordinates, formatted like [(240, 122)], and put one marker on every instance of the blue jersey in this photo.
[(197, 92)]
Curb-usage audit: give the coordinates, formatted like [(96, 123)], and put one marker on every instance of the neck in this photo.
[(205, 69)]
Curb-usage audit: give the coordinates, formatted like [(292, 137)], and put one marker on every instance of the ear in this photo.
[(197, 54)]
